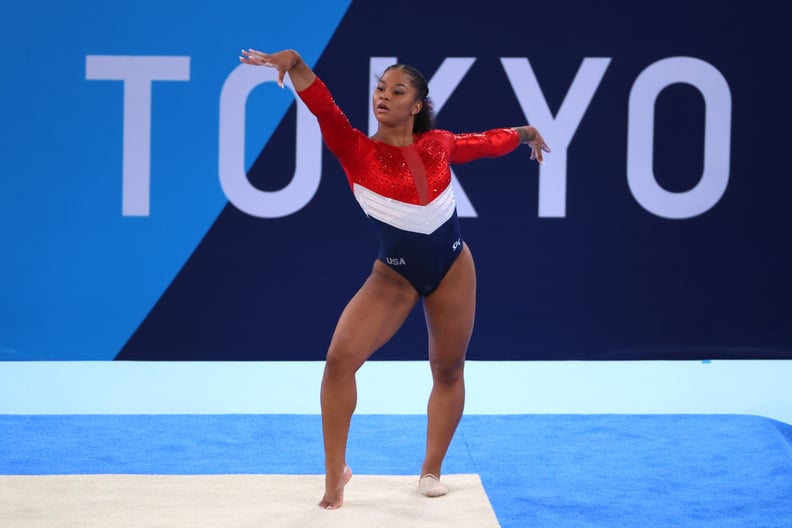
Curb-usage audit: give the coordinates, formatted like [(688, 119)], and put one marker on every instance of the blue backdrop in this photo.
[(160, 201)]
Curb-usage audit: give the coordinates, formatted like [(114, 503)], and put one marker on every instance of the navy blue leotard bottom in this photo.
[(421, 259)]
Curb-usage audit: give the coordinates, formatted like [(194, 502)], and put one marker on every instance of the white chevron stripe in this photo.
[(424, 219)]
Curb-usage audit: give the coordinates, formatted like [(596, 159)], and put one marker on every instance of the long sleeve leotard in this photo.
[(406, 192)]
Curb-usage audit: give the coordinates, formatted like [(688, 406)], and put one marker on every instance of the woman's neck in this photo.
[(398, 137)]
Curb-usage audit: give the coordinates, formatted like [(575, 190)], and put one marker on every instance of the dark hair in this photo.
[(424, 120)]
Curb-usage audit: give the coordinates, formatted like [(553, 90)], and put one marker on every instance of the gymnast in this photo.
[(401, 178)]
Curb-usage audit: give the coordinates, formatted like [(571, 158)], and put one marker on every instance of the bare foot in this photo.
[(334, 490)]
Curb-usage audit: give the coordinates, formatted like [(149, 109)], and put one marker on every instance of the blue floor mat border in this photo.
[(538, 470)]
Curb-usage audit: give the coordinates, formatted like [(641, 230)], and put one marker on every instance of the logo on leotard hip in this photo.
[(395, 261), (456, 244)]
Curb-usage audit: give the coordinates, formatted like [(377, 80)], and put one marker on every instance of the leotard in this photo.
[(406, 192)]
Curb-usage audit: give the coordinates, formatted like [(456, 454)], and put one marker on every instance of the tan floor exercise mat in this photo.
[(218, 501)]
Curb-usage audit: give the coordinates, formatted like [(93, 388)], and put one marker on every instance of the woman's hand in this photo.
[(283, 61), (531, 135)]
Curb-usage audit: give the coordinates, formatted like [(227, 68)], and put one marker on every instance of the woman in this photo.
[(401, 178)]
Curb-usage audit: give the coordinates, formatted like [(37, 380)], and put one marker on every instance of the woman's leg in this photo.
[(370, 319), (450, 312)]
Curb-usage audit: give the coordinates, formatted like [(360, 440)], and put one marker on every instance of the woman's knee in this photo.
[(447, 371), (342, 359)]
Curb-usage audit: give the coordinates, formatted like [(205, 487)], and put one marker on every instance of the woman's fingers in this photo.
[(536, 152), (256, 58), (262, 57)]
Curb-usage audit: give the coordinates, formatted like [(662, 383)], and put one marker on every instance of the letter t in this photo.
[(137, 72)]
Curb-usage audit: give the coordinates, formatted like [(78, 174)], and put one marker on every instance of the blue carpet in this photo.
[(538, 470)]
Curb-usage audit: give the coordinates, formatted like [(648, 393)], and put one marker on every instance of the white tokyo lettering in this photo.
[(717, 137), (233, 173), (137, 72), (559, 129)]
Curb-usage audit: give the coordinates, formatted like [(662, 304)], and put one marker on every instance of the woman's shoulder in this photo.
[(436, 134)]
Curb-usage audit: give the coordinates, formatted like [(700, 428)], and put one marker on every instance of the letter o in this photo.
[(717, 137), (233, 174)]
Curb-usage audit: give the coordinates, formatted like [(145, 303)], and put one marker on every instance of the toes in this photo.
[(329, 504)]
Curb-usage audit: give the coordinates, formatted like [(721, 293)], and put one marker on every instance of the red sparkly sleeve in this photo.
[(489, 144), (339, 135)]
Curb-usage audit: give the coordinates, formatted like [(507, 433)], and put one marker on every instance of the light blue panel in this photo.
[(492, 387), (77, 277)]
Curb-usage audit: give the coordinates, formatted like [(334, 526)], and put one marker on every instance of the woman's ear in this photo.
[(417, 108)]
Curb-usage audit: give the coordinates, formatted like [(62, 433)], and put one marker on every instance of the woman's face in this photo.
[(394, 98)]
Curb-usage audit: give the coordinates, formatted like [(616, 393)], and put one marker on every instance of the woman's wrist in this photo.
[(527, 133), (296, 59)]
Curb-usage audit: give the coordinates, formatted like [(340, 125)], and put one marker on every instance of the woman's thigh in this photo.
[(372, 316), (450, 312)]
